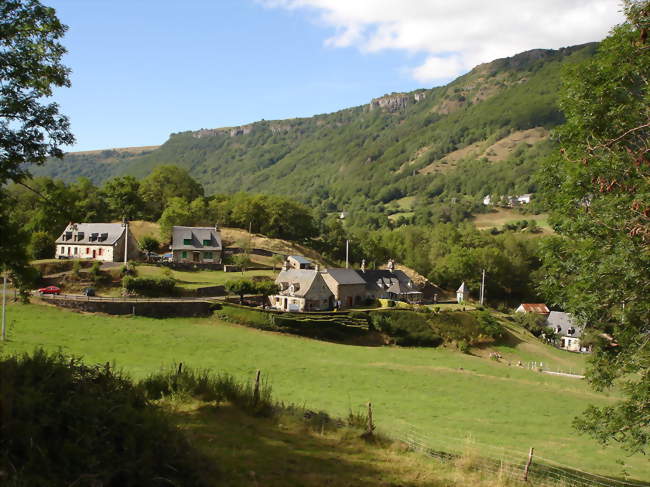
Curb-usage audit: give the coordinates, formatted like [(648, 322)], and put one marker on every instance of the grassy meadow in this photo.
[(201, 278), (503, 216), (447, 396)]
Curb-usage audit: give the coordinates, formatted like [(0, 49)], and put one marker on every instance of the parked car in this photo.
[(88, 291), (153, 257), (49, 290)]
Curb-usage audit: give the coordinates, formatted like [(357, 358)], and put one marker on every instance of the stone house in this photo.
[(390, 283), (98, 241), (302, 290), (568, 333), (196, 245), (348, 287)]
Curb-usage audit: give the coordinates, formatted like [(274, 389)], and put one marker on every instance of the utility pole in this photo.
[(125, 224), (483, 287), (4, 303), (347, 253)]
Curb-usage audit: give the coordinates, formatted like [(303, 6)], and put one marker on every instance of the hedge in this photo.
[(149, 286)]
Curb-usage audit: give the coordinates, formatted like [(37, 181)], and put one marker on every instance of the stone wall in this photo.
[(153, 309)]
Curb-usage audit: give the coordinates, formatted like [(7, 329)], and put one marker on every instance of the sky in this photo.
[(143, 69)]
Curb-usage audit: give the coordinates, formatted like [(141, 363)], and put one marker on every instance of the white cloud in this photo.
[(456, 35)]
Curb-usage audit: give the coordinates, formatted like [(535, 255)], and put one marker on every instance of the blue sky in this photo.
[(142, 69)]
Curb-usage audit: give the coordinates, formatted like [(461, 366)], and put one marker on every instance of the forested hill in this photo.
[(480, 134)]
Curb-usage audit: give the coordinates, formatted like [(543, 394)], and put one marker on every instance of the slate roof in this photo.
[(345, 276), (302, 279), (91, 234), (540, 308), (396, 282), (300, 259), (563, 324), (197, 235)]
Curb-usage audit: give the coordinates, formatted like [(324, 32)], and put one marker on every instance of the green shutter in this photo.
[(187, 241), (207, 242), (207, 255), (184, 255)]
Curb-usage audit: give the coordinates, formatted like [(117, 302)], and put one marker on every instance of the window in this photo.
[(63, 250), (207, 255), (87, 250), (207, 242), (101, 251), (184, 255), (75, 250), (187, 241)]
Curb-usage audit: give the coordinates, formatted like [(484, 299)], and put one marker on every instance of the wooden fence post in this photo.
[(256, 388), (530, 460), (371, 426)]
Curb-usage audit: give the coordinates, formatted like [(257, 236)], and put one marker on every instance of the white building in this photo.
[(462, 293), (98, 241), (568, 334)]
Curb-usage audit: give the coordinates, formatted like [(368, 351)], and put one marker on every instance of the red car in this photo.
[(49, 290)]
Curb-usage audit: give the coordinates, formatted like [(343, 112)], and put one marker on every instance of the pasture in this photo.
[(447, 396)]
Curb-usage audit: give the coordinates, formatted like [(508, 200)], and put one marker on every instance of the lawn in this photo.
[(501, 216), (201, 278), (446, 395)]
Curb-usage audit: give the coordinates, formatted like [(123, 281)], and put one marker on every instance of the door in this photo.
[(195, 256), (94, 252)]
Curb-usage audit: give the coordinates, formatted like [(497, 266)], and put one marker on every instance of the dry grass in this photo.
[(128, 150), (501, 216)]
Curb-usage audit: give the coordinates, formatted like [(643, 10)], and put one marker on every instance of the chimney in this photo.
[(216, 226), (285, 265), (316, 267)]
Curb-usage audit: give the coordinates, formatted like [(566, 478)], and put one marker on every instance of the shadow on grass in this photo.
[(256, 451)]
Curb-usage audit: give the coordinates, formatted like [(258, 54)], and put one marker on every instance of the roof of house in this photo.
[(91, 233), (564, 324), (300, 259), (535, 308), (396, 282), (344, 276), (301, 280), (197, 235), (463, 288)]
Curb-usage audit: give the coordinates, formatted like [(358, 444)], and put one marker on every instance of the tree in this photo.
[(41, 245), (149, 244), (30, 130), (30, 67), (123, 198), (240, 287), (599, 191), (266, 289), (177, 212), (165, 183)]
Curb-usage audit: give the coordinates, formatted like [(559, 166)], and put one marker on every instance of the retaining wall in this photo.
[(153, 309)]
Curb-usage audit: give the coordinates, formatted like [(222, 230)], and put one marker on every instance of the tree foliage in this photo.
[(599, 190)]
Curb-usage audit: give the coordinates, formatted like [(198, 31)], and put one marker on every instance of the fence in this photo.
[(524, 466), (125, 299)]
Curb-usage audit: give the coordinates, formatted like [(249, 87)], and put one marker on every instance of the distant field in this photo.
[(202, 278), (446, 395), (501, 216)]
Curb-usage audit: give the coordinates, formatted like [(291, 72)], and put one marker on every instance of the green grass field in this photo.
[(502, 216), (202, 278), (447, 396)]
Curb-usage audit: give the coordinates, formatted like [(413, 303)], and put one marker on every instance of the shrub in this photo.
[(76, 268), (63, 421), (41, 245), (207, 386), (489, 326), (407, 328), (463, 346), (149, 286)]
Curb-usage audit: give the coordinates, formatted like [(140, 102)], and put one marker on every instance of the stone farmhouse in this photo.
[(567, 332), (98, 241), (196, 245), (316, 290), (302, 290)]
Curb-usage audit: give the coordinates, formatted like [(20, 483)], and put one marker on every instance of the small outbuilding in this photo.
[(462, 293), (539, 308), (299, 262)]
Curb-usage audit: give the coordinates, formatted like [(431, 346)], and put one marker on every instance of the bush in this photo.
[(63, 421), (149, 286), (489, 326), (407, 328), (41, 245), (463, 346), (206, 386)]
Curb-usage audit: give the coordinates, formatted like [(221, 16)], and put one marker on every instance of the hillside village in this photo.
[(444, 285)]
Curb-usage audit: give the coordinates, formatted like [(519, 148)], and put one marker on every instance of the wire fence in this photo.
[(503, 463)]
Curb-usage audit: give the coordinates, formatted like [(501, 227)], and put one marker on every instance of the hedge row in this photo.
[(149, 286)]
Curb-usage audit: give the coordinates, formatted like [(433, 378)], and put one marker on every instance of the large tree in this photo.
[(31, 127), (599, 190), (165, 183)]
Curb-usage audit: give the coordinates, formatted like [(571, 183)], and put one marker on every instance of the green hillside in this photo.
[(447, 396), (402, 144)]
